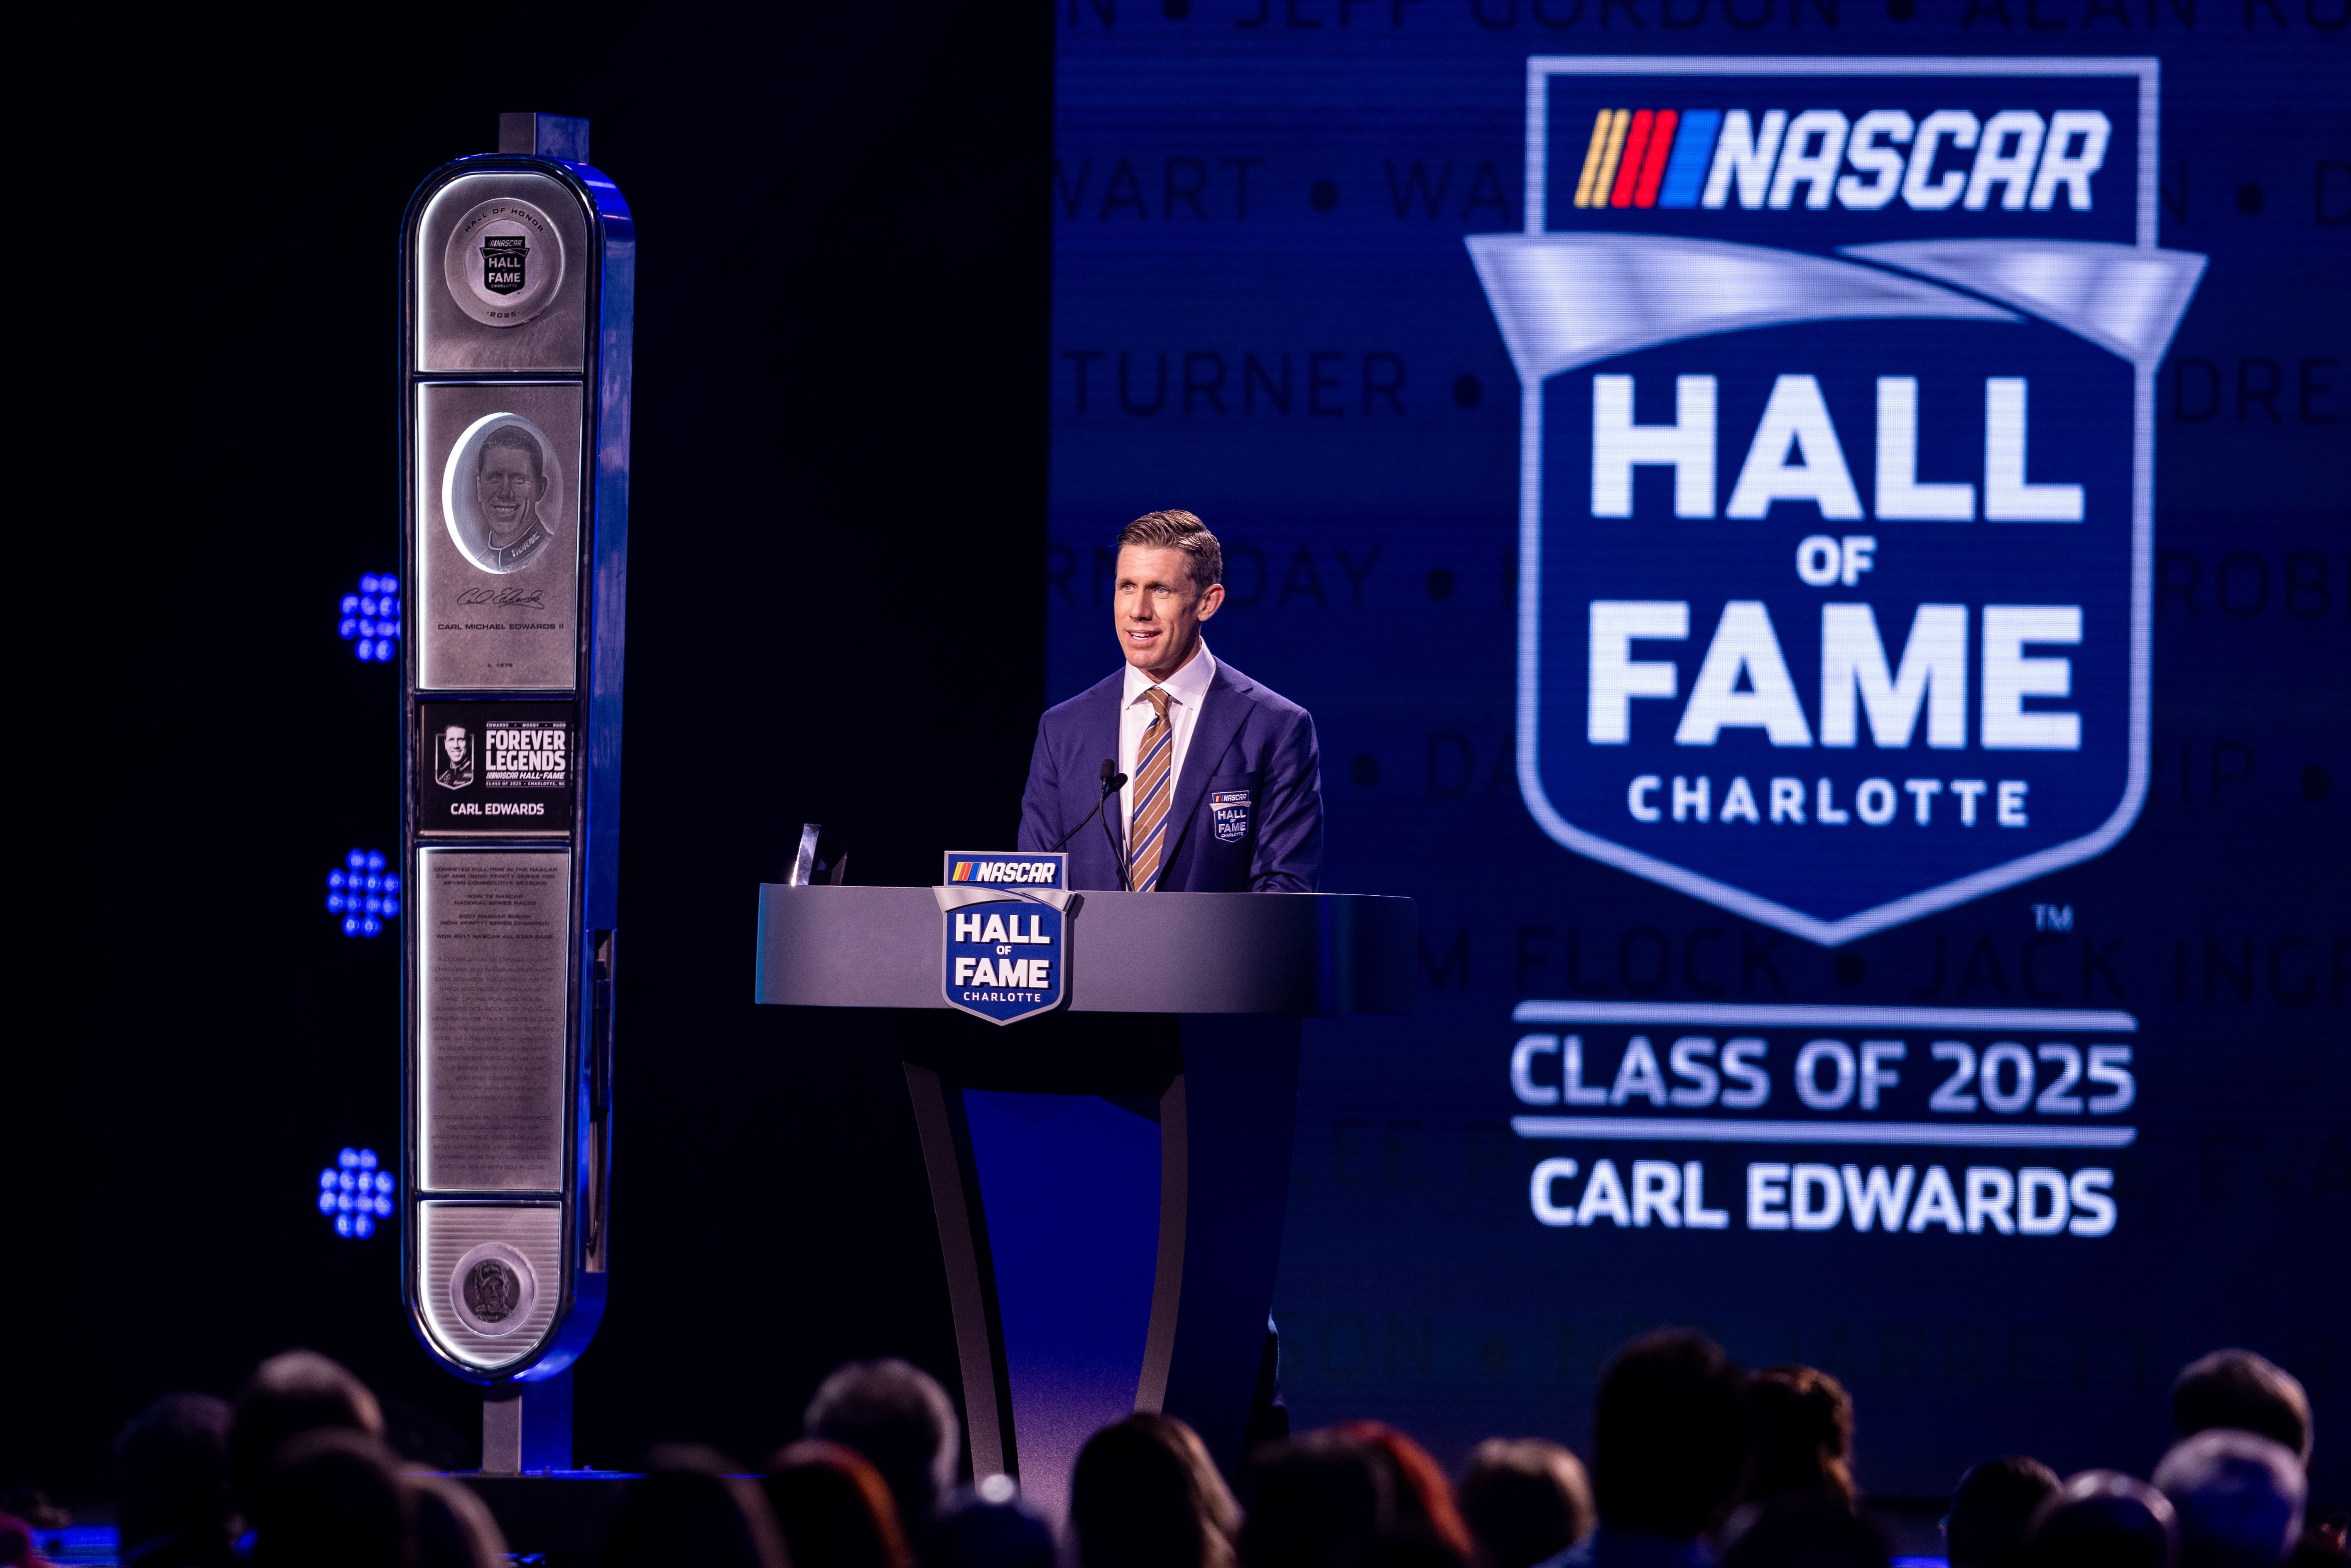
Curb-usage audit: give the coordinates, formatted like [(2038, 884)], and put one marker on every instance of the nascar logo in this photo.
[(1042, 872), (1702, 157)]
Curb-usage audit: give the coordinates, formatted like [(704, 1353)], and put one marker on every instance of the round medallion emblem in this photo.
[(492, 1289), (504, 263)]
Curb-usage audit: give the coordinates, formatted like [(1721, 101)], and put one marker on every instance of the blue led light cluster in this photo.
[(371, 619), (363, 894), (356, 1193)]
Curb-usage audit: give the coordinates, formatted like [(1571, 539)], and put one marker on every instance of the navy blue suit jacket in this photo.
[(1247, 812)]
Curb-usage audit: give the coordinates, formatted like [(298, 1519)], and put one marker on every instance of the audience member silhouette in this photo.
[(692, 1509), (1524, 1499), (331, 1498), (1990, 1509), (2239, 1497), (898, 1416), (2247, 1393), (1324, 1500), (1802, 1426), (2102, 1519), (1668, 1449), (1427, 1527), (296, 1392), (988, 1526), (454, 1527), (1146, 1495), (834, 1508), (16, 1548), (171, 1468)]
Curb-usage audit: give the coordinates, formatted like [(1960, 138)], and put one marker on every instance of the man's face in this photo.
[(508, 489), (453, 743), (1159, 609)]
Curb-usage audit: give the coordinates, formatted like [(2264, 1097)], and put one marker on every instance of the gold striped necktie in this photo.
[(1155, 783)]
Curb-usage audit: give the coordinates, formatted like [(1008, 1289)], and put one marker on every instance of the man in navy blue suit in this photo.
[(1224, 783)]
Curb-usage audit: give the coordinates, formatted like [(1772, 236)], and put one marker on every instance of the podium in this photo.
[(1109, 1179)]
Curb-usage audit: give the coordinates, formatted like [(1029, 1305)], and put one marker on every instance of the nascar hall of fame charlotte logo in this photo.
[(1836, 471), (505, 262), (1006, 920)]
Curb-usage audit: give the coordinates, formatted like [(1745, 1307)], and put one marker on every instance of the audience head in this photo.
[(2239, 1496), (453, 1526), (1524, 1499), (1425, 1514), (2236, 1388), (690, 1509), (834, 1508), (171, 1465), (331, 1498), (1324, 1500), (1802, 1425), (299, 1391), (898, 1416), (1808, 1532), (1669, 1436), (2102, 1519), (988, 1526), (1985, 1528), (1146, 1495)]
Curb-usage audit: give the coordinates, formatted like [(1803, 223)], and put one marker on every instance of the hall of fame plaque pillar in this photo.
[(516, 304)]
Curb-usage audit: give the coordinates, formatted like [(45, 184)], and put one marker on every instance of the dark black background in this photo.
[(841, 244)]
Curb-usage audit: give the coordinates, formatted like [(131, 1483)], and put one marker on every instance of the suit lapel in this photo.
[(1101, 740), (1222, 717)]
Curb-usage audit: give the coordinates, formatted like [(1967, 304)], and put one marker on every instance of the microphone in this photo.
[(1113, 781)]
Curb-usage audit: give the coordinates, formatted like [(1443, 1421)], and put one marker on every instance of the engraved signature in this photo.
[(533, 597)]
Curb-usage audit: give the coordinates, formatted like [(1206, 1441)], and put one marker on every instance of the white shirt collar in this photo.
[(1188, 685)]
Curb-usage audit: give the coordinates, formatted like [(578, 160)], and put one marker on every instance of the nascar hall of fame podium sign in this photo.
[(1836, 471), (1005, 922)]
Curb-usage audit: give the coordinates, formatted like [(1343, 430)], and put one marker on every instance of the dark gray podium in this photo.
[(1109, 1179)]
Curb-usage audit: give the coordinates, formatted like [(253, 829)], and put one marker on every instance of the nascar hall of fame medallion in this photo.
[(503, 767), (492, 1289), (1228, 813), (1005, 920), (504, 262), (1835, 506), (498, 490)]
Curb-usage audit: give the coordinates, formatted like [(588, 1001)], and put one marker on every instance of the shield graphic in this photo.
[(1835, 512), (504, 260), (1004, 919)]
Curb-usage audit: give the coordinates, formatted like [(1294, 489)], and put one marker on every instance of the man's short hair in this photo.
[(2239, 1497), (2103, 1518), (1669, 1435), (898, 1416), (512, 438), (296, 1392), (2249, 1393), (1985, 1528), (1183, 531)]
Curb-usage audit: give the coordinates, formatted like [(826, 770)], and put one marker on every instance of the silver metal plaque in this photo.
[(497, 536), (511, 1256), (502, 275), (493, 978)]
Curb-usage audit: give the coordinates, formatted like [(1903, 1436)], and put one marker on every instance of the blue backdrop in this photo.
[(1753, 994)]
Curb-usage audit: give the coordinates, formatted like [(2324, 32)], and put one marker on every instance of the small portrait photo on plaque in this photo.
[(453, 757), (504, 262), (498, 492)]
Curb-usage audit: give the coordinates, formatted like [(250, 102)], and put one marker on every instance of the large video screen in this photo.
[(1815, 535)]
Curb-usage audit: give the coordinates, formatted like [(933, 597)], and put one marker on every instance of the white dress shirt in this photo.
[(1186, 690)]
